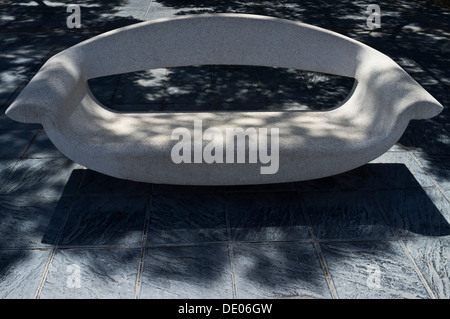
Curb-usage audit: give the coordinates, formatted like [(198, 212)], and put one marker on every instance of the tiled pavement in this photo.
[(379, 231)]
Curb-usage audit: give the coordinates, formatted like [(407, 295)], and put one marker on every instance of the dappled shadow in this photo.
[(268, 227), (411, 34)]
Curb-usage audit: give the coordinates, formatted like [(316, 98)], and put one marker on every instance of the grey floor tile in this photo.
[(159, 10), (416, 212), (328, 91), (184, 218), (31, 222), (42, 147), (14, 143), (92, 274), (285, 89), (137, 108), (186, 189), (46, 177), (21, 272), (7, 124), (345, 215), (134, 94), (265, 216), (278, 270), (372, 270), (105, 220), (431, 257), (393, 177), (278, 187), (360, 178), (103, 93), (143, 87), (130, 13), (95, 183), (187, 272), (189, 98), (438, 168), (6, 169)]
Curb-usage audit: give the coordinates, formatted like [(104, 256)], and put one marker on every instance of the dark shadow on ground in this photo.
[(362, 204), (411, 34)]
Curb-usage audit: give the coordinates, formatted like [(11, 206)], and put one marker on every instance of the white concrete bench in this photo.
[(139, 146)]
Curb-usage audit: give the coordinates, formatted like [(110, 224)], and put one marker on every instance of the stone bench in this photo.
[(148, 147)]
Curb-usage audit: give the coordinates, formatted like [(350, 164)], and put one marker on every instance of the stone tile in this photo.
[(437, 167), (31, 222), (103, 93), (416, 212), (278, 270), (345, 215), (237, 85), (7, 124), (183, 218), (43, 177), (7, 92), (429, 136), (6, 168), (392, 177), (95, 183), (199, 272), (92, 274), (143, 87), (43, 147), (194, 76), (13, 144), (134, 108), (136, 5), (189, 98), (130, 13), (265, 216), (278, 187), (21, 272), (158, 10), (431, 257), (360, 178), (108, 220), (372, 270), (328, 91), (186, 189), (285, 89)]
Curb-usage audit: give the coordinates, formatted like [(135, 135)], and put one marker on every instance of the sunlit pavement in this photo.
[(379, 231)]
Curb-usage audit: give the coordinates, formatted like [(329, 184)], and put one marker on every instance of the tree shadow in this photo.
[(410, 34), (268, 226)]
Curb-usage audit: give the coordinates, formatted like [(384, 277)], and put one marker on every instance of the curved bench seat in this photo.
[(138, 146)]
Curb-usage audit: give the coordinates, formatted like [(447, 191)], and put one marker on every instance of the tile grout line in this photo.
[(318, 249), (437, 186), (57, 239), (138, 284), (418, 272), (147, 10), (399, 239), (17, 161), (230, 245)]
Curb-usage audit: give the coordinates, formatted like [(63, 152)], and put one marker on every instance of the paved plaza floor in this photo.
[(380, 231)]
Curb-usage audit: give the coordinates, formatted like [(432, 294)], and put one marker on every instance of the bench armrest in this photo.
[(55, 88)]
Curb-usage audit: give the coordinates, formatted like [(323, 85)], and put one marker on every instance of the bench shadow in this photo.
[(187, 229)]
